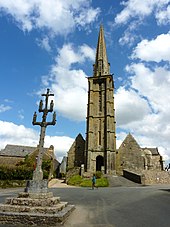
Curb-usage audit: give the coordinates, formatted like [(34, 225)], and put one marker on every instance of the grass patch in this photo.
[(77, 180)]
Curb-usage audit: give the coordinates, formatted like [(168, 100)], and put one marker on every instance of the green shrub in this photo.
[(12, 183), (17, 173), (86, 183), (75, 180), (98, 174), (102, 182)]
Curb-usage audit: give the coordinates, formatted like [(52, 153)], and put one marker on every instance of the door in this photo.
[(99, 162)]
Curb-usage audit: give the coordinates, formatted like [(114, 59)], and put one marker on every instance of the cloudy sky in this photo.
[(51, 44)]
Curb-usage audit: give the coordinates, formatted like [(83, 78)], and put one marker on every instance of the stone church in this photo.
[(98, 151)]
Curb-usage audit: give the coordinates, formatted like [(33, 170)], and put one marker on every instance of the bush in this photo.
[(12, 183), (75, 180), (102, 182), (98, 174), (86, 183), (17, 173)]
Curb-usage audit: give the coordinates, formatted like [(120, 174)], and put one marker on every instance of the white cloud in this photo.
[(44, 44), (59, 17), (4, 108), (68, 84), (128, 38), (144, 108), (21, 114), (134, 13), (61, 145), (87, 52), (87, 16), (70, 89), (129, 106), (155, 50), (69, 55), (14, 133), (163, 16), (152, 84), (20, 135), (140, 9)]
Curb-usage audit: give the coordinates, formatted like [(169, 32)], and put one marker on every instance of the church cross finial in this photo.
[(101, 66)]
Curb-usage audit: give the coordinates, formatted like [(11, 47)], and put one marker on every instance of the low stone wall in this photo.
[(148, 177), (155, 177), (132, 176)]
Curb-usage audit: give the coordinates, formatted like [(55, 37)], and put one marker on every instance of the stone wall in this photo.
[(76, 153), (156, 162), (148, 177), (132, 176), (155, 177), (129, 156), (132, 157)]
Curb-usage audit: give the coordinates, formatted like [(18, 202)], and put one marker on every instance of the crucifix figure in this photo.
[(38, 173)]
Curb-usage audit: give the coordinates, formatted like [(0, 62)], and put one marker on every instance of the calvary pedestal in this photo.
[(36, 205)]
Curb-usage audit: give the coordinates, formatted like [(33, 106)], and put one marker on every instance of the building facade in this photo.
[(130, 156), (100, 149), (76, 153), (100, 152)]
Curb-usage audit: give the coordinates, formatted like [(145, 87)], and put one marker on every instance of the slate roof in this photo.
[(154, 151), (17, 150)]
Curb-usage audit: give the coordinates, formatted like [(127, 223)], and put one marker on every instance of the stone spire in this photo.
[(101, 66)]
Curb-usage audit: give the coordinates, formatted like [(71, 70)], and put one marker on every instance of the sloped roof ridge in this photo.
[(128, 138)]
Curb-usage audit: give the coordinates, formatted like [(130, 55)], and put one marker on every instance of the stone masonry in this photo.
[(40, 209), (100, 136), (132, 157), (76, 153)]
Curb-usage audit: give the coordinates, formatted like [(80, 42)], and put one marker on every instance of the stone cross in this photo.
[(38, 173)]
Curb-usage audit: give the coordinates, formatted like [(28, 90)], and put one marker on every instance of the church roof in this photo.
[(130, 141), (17, 150), (154, 151), (101, 66)]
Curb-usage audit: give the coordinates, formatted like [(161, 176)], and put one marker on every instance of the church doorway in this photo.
[(99, 162)]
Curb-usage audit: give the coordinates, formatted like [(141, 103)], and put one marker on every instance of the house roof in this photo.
[(17, 150)]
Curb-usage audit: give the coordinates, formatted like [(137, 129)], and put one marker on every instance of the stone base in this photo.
[(35, 219), (37, 186), (34, 209)]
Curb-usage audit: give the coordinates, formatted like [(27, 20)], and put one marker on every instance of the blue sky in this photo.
[(51, 44)]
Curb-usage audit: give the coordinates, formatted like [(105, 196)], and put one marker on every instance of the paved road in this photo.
[(116, 207)]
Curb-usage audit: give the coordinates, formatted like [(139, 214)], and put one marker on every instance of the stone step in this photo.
[(36, 209), (33, 202), (35, 219), (35, 195)]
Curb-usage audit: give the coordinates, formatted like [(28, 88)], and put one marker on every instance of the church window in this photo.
[(99, 137), (100, 97), (99, 133)]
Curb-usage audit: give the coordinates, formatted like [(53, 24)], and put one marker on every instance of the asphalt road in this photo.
[(118, 206)]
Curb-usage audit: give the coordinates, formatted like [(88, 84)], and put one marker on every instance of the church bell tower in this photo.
[(100, 151)]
